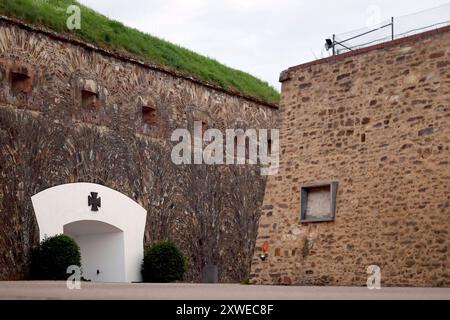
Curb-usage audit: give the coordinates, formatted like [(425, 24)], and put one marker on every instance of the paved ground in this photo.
[(58, 290)]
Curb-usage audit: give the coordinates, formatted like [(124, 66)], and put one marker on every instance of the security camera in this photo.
[(328, 44)]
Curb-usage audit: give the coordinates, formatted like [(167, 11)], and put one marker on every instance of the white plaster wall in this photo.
[(64, 204), (103, 252)]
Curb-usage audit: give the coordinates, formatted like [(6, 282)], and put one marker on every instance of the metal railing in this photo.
[(389, 30)]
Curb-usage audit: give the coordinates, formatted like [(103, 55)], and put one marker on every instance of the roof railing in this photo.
[(404, 25)]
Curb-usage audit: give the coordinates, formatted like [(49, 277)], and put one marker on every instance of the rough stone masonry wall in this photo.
[(48, 138), (378, 122)]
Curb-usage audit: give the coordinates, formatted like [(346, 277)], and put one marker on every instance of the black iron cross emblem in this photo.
[(94, 202)]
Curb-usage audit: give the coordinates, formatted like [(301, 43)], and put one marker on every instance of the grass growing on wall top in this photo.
[(104, 32)]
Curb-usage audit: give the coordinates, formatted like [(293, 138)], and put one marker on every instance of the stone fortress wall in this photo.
[(377, 122), (71, 112)]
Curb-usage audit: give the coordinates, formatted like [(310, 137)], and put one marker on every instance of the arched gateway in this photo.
[(107, 225)]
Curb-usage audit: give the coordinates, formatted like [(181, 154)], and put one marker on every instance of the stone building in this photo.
[(363, 180), (72, 113), (364, 169)]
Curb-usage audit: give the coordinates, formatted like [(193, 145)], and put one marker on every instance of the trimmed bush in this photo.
[(54, 255), (163, 263)]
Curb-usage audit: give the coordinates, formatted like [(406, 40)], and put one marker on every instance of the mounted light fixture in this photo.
[(328, 44), (265, 250)]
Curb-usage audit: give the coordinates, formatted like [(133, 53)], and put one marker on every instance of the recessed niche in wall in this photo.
[(204, 127), (269, 147), (21, 81), (149, 115), (318, 202), (89, 99)]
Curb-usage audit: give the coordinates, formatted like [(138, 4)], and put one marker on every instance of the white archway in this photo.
[(108, 226), (102, 250)]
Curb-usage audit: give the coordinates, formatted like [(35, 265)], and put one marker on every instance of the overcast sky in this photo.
[(262, 37)]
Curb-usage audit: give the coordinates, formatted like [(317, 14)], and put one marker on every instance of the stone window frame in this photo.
[(89, 100), (21, 79), (149, 115), (333, 185), (205, 126), (269, 146), (236, 142), (90, 95)]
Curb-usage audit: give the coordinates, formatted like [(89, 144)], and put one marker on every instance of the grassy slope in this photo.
[(98, 29)]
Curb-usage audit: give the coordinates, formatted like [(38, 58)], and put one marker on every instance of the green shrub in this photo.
[(52, 258), (163, 262)]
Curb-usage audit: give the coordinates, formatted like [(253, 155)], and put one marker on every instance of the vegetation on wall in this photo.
[(52, 258), (104, 32)]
